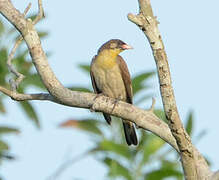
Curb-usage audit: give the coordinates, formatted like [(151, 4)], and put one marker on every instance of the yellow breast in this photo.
[(107, 59)]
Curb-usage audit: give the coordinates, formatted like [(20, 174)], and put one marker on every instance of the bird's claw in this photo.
[(92, 109), (114, 104)]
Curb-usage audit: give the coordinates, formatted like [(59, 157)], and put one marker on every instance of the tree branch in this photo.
[(215, 176), (23, 97), (14, 83), (146, 21)]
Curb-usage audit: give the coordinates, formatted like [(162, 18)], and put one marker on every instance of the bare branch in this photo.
[(20, 77), (27, 9), (145, 119), (40, 12), (22, 97), (152, 105), (146, 21)]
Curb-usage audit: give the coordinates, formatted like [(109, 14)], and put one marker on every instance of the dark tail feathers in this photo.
[(130, 134), (107, 118)]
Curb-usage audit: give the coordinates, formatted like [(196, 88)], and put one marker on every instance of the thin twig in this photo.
[(152, 105), (23, 97), (40, 14), (27, 9), (15, 83)]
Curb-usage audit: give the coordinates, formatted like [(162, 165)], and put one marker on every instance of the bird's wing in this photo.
[(96, 90), (126, 78)]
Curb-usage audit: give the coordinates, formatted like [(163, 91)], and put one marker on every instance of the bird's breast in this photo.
[(109, 81)]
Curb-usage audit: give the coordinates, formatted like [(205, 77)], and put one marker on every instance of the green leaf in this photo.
[(163, 173), (32, 79), (2, 28), (152, 146), (88, 125), (200, 135), (3, 67), (85, 67), (160, 113), (78, 88), (189, 123), (142, 140), (32, 17), (2, 107), (22, 65), (116, 169), (138, 81), (30, 112), (170, 164), (3, 146), (112, 147), (6, 130), (43, 34), (6, 156)]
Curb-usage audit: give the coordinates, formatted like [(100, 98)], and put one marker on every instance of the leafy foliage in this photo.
[(22, 64), (139, 80), (189, 123), (4, 147)]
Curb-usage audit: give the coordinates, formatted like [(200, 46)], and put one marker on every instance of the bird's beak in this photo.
[(126, 46)]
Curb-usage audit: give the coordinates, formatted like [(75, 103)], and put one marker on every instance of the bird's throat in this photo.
[(107, 58)]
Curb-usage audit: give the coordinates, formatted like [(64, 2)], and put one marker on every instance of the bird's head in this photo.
[(114, 46)]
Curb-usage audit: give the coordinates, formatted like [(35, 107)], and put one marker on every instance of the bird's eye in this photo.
[(113, 45)]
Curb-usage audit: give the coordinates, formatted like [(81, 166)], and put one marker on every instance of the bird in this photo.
[(110, 77)]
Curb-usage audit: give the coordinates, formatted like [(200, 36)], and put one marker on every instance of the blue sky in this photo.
[(77, 29)]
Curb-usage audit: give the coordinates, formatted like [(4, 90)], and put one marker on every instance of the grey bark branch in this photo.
[(215, 176), (23, 97), (14, 83), (190, 157)]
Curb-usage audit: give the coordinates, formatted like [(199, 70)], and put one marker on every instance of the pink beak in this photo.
[(126, 46)]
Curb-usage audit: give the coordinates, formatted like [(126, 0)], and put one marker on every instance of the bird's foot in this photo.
[(114, 104), (91, 107)]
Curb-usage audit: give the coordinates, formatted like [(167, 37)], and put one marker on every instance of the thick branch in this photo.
[(146, 21), (215, 176), (144, 119)]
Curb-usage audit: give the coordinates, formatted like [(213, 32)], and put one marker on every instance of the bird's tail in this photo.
[(130, 134), (107, 118)]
